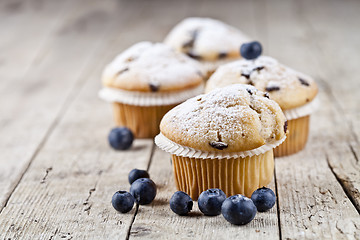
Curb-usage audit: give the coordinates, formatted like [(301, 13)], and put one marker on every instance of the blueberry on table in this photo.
[(238, 209), (123, 201), (181, 203), (210, 201), (263, 198), (121, 138), (250, 50), (143, 190), (135, 174)]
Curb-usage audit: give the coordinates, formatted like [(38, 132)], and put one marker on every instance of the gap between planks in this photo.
[(137, 205), (69, 99)]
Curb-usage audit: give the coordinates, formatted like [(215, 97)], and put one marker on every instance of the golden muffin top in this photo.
[(289, 88), (230, 119), (152, 67), (206, 39)]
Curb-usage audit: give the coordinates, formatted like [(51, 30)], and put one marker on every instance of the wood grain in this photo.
[(312, 202), (158, 221), (35, 102), (57, 173), (66, 192)]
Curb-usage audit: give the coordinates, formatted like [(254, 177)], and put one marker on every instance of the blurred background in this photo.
[(52, 123)]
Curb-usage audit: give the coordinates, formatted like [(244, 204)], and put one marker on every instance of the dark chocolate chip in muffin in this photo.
[(249, 91), (122, 71), (218, 145), (154, 87), (285, 126), (245, 74), (258, 68), (304, 82), (266, 95), (248, 73), (222, 55), (193, 55), (250, 82), (190, 43), (272, 88)]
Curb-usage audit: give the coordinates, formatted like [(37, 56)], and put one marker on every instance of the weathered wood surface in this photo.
[(57, 173)]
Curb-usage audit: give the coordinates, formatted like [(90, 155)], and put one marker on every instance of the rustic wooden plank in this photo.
[(336, 41), (66, 192), (158, 221), (311, 201), (341, 84), (312, 204), (343, 159), (55, 198), (25, 27), (35, 103)]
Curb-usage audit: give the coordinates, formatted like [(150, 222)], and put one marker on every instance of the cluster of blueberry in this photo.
[(236, 209), (142, 191)]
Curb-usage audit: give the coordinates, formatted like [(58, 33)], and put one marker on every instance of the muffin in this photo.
[(293, 91), (146, 81), (223, 139), (207, 40)]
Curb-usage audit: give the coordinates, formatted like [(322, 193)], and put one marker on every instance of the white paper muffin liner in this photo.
[(169, 146), (148, 98), (302, 111)]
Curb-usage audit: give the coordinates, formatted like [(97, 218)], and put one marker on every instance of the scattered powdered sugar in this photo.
[(226, 115), (267, 74), (205, 38), (155, 64)]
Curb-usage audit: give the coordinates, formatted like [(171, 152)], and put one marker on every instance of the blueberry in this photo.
[(136, 174), (143, 190), (120, 138), (210, 201), (263, 198), (250, 50), (238, 210), (181, 203), (123, 201)]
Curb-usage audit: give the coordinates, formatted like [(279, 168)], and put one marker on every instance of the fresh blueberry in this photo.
[(238, 210), (121, 138), (210, 201), (251, 50), (263, 198), (136, 174), (123, 201), (143, 190), (181, 203)]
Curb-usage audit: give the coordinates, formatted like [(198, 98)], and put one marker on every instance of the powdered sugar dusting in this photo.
[(267, 74), (153, 64), (238, 116), (206, 38)]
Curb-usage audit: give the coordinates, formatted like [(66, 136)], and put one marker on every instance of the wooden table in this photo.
[(58, 173)]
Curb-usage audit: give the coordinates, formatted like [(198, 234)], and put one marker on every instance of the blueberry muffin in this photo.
[(207, 40), (293, 91), (146, 81), (223, 139)]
